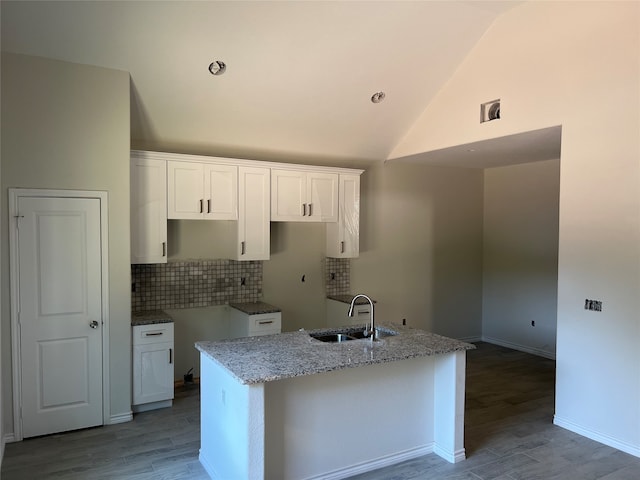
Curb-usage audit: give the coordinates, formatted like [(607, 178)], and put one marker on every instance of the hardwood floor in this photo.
[(509, 436)]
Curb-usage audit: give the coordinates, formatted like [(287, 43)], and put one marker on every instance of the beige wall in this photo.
[(421, 247), (520, 256), (66, 126), (421, 252), (575, 64), (297, 250)]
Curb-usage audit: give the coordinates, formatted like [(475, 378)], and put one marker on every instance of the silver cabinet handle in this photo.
[(164, 249), (209, 206), (201, 205), (342, 247), (93, 324), (265, 322), (242, 248), (304, 209), (171, 355), (152, 334), (310, 209)]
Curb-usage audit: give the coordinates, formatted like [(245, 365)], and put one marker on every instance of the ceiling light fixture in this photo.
[(377, 97), (217, 67)]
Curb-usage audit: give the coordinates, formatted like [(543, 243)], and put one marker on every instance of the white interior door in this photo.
[(60, 313)]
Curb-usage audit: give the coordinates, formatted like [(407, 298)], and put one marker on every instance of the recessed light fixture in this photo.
[(217, 67), (377, 97)]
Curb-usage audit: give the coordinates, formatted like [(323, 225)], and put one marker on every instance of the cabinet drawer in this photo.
[(155, 333), (265, 324)]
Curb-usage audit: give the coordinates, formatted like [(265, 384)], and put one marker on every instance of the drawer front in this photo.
[(265, 323), (362, 313), (156, 333)]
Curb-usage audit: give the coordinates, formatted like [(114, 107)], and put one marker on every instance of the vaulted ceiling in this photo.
[(299, 75)]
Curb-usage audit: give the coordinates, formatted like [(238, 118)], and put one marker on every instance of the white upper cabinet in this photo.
[(148, 210), (253, 232), (202, 191), (303, 196), (343, 237), (176, 186)]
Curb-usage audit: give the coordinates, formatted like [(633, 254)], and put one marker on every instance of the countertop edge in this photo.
[(420, 339)]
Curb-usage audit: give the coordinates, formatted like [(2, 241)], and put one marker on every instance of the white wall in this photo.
[(575, 64), (520, 259), (66, 126), (421, 247)]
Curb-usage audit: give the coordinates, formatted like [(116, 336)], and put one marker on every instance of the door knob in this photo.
[(93, 324)]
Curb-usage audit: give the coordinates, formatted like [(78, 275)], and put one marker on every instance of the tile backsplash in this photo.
[(337, 274), (194, 283)]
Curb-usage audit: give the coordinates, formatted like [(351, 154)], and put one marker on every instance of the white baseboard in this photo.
[(451, 457), (521, 348), (9, 438), (374, 464), (470, 339), (121, 418), (597, 436), (207, 466)]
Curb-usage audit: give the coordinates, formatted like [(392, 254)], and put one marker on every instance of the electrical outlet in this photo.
[(593, 305)]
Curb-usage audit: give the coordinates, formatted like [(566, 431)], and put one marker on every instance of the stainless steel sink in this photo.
[(350, 333), (333, 337)]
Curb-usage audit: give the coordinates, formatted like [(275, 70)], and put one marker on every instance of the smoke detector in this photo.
[(490, 111)]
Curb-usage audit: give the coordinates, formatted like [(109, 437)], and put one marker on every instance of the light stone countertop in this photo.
[(150, 317), (347, 297), (267, 358), (254, 308)]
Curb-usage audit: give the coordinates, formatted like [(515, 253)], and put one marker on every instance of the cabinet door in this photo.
[(343, 237), (221, 192), (322, 197), (152, 372), (185, 190), (148, 211), (288, 195), (254, 242)]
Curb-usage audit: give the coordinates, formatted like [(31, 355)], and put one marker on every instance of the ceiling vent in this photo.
[(490, 111)]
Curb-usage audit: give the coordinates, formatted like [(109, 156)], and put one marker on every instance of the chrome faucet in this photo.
[(372, 330)]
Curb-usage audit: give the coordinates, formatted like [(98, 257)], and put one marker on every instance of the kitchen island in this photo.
[(290, 406)]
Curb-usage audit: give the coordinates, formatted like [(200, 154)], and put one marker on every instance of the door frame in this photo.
[(16, 369)]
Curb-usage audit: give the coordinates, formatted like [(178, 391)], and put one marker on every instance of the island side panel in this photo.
[(231, 423), (450, 370), (341, 423)]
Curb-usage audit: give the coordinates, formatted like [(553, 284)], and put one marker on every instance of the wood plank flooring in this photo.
[(509, 436)]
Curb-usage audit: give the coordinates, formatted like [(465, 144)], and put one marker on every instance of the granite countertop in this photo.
[(254, 308), (267, 358), (150, 317), (347, 297)]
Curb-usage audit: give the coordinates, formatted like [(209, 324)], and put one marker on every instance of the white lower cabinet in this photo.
[(246, 325), (338, 314), (153, 366)]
